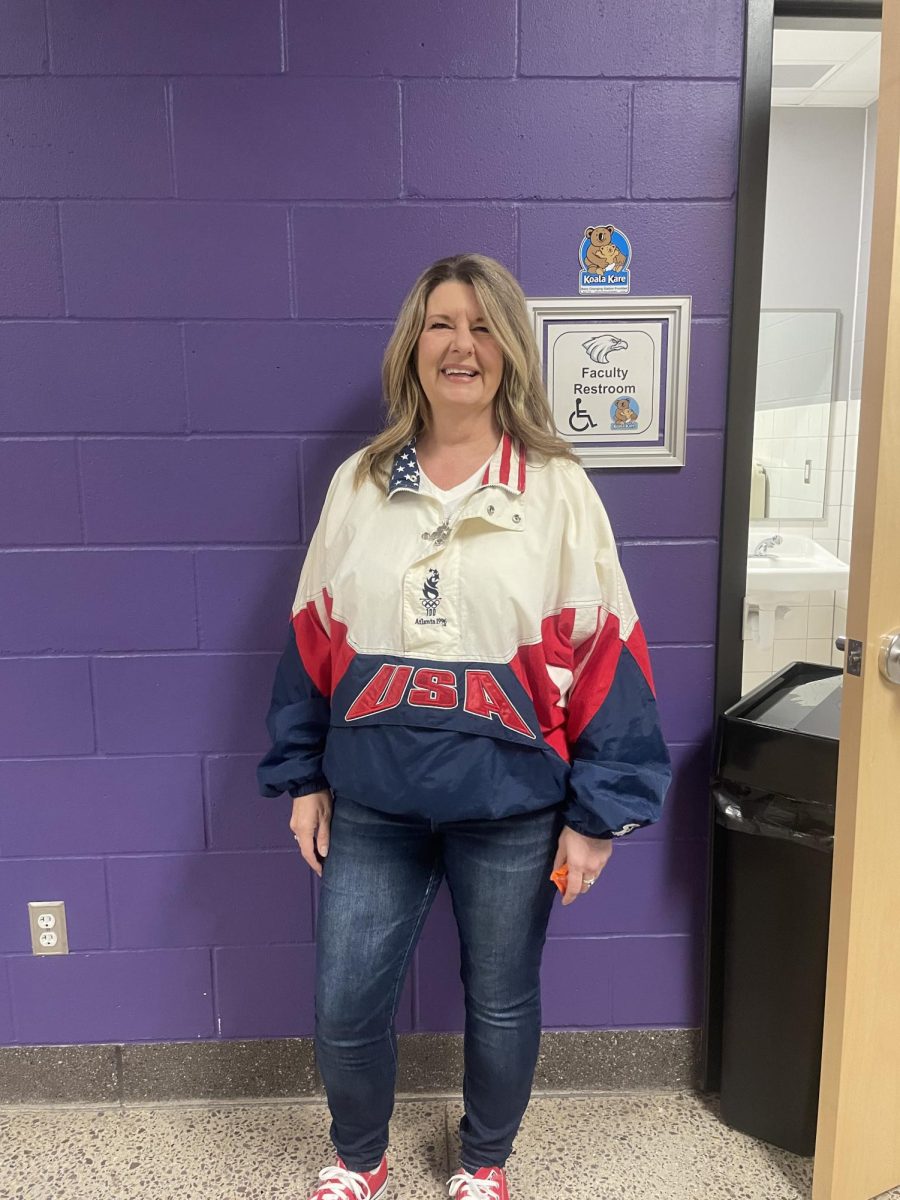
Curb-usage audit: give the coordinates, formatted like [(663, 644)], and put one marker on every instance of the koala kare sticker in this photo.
[(624, 414), (605, 257)]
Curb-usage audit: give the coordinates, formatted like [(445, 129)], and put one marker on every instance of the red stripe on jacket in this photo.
[(596, 661), (530, 667), (324, 658), (637, 644), (505, 459), (595, 667)]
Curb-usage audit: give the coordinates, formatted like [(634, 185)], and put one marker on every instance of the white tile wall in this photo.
[(820, 622), (805, 632), (791, 444)]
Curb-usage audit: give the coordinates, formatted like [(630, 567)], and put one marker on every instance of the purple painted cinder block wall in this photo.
[(208, 218)]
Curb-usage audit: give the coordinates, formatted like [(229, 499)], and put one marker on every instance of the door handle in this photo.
[(889, 657)]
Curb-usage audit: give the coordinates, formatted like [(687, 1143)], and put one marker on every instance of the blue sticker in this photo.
[(623, 414), (605, 258)]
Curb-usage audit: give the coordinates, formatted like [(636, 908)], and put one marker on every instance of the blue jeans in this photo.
[(379, 879)]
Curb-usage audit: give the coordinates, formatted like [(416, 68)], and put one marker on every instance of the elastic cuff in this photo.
[(319, 784)]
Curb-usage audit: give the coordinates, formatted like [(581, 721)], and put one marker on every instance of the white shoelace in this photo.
[(477, 1189), (341, 1185)]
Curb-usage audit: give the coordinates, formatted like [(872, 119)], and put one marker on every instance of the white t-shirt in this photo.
[(452, 498)]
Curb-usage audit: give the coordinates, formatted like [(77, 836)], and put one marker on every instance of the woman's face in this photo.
[(459, 363)]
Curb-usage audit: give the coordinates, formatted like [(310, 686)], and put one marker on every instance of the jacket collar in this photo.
[(506, 468)]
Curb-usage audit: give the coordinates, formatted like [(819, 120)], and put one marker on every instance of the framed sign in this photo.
[(616, 371)]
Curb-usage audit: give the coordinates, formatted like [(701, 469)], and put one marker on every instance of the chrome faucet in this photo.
[(766, 545)]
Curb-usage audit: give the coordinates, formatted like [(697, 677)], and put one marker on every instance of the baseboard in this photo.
[(428, 1063)]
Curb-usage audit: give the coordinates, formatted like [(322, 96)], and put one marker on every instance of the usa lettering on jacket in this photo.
[(482, 695), (489, 664)]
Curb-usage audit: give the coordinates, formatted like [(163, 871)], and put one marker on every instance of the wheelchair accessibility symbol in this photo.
[(580, 421)]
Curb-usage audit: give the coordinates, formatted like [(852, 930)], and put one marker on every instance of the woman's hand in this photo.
[(585, 856), (311, 825)]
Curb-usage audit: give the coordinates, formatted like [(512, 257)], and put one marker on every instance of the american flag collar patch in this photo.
[(506, 468)]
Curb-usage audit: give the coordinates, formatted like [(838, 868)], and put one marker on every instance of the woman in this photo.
[(466, 691)]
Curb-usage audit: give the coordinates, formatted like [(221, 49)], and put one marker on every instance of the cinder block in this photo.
[(245, 597), (184, 703), (167, 37), (396, 38), (23, 49), (401, 241), (287, 138), (45, 707), (680, 502), (31, 279), (239, 818), (578, 38), (282, 376), (171, 259), (265, 991), (91, 377), (190, 490), (38, 493), (79, 806), (167, 900), (684, 710), (97, 600), (639, 963), (145, 996), (685, 140), (685, 610), (84, 137), (525, 139)]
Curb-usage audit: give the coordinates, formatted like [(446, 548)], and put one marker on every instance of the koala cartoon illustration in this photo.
[(624, 411), (602, 254)]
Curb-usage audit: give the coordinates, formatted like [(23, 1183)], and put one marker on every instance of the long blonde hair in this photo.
[(521, 405)]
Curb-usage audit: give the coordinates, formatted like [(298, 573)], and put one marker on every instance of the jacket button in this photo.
[(490, 510), (517, 517)]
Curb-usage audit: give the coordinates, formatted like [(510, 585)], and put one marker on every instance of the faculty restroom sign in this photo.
[(607, 384), (616, 375)]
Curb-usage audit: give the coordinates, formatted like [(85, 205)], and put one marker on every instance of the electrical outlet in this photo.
[(47, 920)]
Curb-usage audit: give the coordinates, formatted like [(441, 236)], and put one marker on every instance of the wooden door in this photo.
[(858, 1136)]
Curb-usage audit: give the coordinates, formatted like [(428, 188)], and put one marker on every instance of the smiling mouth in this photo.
[(458, 373)]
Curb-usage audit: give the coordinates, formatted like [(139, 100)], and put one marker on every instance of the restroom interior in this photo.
[(812, 327)]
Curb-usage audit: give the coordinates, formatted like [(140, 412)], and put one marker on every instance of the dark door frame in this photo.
[(738, 451)]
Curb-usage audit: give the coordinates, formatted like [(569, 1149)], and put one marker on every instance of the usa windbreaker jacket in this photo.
[(492, 668)]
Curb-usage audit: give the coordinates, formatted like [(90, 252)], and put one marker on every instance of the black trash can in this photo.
[(774, 792)]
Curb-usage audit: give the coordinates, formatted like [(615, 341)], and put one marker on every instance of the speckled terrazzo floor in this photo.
[(633, 1146)]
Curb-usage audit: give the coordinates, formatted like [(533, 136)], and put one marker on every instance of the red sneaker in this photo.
[(488, 1183), (338, 1183)]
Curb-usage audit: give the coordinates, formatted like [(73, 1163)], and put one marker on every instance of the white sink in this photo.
[(797, 564)]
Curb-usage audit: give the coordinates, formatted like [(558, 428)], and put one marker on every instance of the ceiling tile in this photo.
[(819, 45)]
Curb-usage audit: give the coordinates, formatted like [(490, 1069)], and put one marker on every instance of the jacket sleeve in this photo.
[(620, 766), (300, 709)]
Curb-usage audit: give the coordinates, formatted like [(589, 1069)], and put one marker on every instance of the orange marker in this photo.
[(560, 877)]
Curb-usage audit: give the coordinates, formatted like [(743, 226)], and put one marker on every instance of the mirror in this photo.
[(794, 391)]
